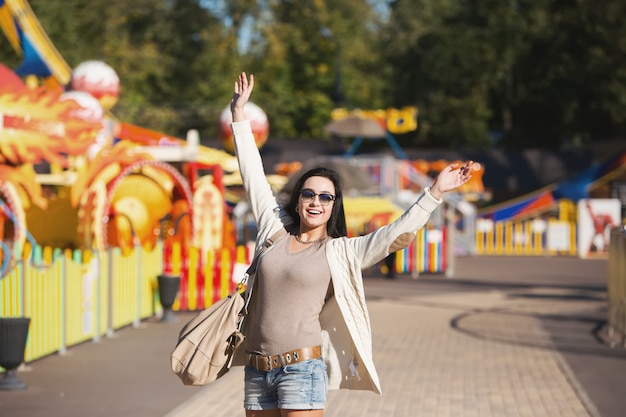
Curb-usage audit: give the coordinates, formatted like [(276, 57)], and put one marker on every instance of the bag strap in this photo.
[(255, 261), (252, 269)]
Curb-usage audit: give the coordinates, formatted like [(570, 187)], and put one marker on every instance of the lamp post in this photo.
[(177, 221), (133, 234), (162, 221)]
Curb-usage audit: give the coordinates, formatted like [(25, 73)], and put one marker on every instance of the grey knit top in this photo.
[(291, 288)]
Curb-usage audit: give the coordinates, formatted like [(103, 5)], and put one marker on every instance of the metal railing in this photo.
[(616, 286)]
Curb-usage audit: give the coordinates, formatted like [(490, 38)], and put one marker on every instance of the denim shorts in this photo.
[(300, 386)]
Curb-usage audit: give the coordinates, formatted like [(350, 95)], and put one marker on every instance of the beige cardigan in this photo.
[(346, 329)]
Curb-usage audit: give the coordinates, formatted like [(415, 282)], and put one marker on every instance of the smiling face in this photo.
[(313, 214)]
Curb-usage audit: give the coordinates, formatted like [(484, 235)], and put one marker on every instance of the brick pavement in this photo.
[(508, 337), (459, 354)]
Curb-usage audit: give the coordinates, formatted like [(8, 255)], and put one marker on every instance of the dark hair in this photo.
[(336, 226)]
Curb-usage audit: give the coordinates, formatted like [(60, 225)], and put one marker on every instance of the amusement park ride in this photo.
[(73, 176), (75, 180)]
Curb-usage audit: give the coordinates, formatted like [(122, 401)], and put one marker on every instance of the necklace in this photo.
[(308, 242)]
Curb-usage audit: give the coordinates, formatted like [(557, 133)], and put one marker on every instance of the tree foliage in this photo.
[(316, 55), (533, 73), (514, 73)]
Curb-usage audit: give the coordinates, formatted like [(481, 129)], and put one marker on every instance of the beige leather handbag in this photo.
[(207, 343)]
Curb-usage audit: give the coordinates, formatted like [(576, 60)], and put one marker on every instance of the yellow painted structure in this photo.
[(528, 237), (75, 296)]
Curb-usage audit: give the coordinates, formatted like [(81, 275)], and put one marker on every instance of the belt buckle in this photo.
[(262, 363)]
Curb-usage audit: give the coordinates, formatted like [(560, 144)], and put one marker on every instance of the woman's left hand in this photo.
[(241, 94), (451, 177)]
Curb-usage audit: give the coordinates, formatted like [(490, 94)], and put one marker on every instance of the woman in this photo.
[(308, 328)]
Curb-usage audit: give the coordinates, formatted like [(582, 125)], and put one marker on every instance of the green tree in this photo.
[(312, 57), (543, 73), (446, 60), (572, 86)]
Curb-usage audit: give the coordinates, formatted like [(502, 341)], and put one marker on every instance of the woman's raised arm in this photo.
[(241, 95)]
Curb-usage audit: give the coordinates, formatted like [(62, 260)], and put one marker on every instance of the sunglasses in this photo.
[(309, 195)]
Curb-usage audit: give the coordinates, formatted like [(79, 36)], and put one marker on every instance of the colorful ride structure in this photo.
[(97, 210), (73, 176), (550, 220), (592, 182)]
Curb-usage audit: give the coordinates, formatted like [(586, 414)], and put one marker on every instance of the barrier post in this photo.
[(139, 255), (415, 254), (450, 239), (98, 296), (63, 318), (22, 284), (110, 330), (616, 286)]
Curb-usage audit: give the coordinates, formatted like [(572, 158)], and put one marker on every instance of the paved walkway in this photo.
[(508, 337), (427, 368)]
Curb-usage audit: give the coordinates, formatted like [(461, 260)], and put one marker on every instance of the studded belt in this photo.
[(267, 363)]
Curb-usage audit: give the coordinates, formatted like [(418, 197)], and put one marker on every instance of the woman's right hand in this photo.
[(451, 177), (241, 95)]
